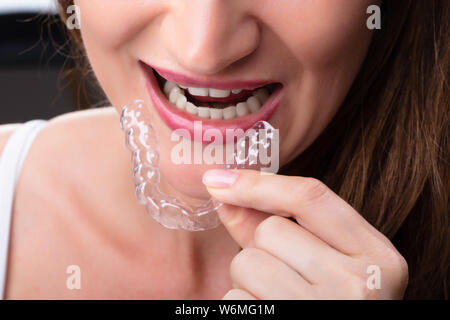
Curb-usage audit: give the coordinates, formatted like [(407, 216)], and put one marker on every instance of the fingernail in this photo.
[(219, 178)]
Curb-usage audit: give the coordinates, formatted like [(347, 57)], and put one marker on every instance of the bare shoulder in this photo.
[(68, 146), (73, 125), (47, 231)]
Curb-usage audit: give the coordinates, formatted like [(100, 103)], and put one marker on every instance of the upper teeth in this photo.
[(202, 92), (176, 96)]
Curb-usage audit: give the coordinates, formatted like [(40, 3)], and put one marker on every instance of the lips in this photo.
[(175, 118), (207, 82)]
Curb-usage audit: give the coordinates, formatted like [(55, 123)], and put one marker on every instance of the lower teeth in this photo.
[(215, 111)]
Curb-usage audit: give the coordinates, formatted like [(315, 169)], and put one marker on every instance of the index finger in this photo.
[(314, 206)]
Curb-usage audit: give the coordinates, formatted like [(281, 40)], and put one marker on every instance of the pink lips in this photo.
[(177, 119), (208, 82)]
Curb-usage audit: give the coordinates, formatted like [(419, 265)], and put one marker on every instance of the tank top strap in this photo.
[(11, 161)]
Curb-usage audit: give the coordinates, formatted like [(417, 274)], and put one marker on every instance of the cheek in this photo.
[(322, 33), (112, 23), (328, 40), (107, 27)]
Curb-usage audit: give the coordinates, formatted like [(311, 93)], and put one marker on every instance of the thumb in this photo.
[(241, 223)]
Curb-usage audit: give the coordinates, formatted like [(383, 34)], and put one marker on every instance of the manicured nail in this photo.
[(218, 178)]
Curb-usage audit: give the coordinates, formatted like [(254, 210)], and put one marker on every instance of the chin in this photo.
[(186, 179)]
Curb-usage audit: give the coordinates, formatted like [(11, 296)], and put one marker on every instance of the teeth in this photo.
[(175, 93), (176, 96), (262, 95), (191, 108), (216, 93), (253, 104), (181, 102), (201, 92), (242, 109), (216, 114), (229, 113), (168, 86), (203, 112)]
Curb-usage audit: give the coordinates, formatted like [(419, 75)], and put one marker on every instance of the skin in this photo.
[(95, 221)]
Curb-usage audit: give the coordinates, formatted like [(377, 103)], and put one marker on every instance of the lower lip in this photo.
[(177, 119)]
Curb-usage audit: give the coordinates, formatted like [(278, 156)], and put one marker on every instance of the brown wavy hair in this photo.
[(386, 152)]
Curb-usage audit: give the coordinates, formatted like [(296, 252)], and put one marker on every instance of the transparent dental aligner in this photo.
[(142, 141), (257, 149)]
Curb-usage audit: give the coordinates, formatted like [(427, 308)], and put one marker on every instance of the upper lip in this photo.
[(208, 82)]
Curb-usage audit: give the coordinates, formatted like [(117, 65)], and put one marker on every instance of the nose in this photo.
[(207, 36)]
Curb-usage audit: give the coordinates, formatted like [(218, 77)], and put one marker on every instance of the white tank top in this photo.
[(11, 162)]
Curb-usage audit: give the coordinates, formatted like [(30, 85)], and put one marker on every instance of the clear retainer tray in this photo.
[(142, 141)]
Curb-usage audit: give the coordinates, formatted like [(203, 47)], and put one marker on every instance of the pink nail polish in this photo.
[(218, 178)]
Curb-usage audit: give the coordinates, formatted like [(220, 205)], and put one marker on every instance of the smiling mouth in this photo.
[(181, 100), (215, 104)]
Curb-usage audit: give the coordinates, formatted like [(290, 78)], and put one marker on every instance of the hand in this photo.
[(325, 255)]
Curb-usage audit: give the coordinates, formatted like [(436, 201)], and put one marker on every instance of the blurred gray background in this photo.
[(34, 63)]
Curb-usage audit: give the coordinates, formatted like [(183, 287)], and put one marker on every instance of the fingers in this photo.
[(238, 294), (241, 223), (309, 201), (315, 260), (328, 254), (290, 263), (266, 277)]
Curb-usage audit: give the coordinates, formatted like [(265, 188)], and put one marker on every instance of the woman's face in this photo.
[(313, 48)]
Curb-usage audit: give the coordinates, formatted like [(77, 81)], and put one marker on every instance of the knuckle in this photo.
[(392, 259), (267, 229), (399, 263), (311, 189), (399, 266)]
